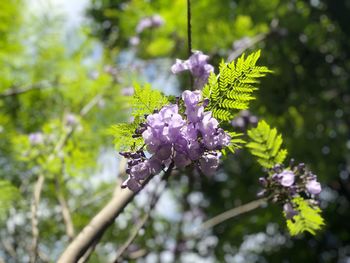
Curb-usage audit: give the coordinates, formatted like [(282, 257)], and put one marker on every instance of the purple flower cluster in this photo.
[(149, 22), (36, 138), (198, 66), (145, 23), (169, 136), (71, 119), (285, 184)]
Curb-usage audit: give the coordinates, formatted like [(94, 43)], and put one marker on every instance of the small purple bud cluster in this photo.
[(36, 138), (198, 66), (139, 168), (128, 91), (244, 120), (149, 22), (145, 23), (285, 184), (71, 119), (182, 139)]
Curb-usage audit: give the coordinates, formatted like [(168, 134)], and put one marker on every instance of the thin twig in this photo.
[(137, 254), (185, 207), (66, 215), (189, 28), (9, 248), (44, 258), (132, 237), (189, 37), (84, 258), (252, 42), (98, 198), (230, 214), (91, 104), (14, 91)]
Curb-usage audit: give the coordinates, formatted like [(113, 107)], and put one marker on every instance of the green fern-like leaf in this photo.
[(222, 114), (232, 89), (123, 139), (266, 145), (8, 195), (309, 218), (145, 100), (236, 143)]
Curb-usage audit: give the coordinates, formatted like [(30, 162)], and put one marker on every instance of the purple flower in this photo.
[(194, 111), (154, 165), (71, 119), (171, 137), (286, 178), (168, 111), (289, 211), (149, 22), (191, 98), (134, 41), (244, 119), (155, 121), (263, 181), (164, 152), (157, 21), (132, 184), (313, 187), (189, 132), (286, 184), (144, 23), (36, 138), (209, 163), (195, 150), (181, 160), (128, 91), (198, 66), (140, 171), (195, 115), (179, 66), (208, 125)]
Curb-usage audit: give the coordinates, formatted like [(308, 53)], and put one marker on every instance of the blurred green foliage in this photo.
[(56, 102)]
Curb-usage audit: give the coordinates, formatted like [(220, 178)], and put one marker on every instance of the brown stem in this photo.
[(189, 37), (14, 91), (9, 248), (189, 28), (66, 215)]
